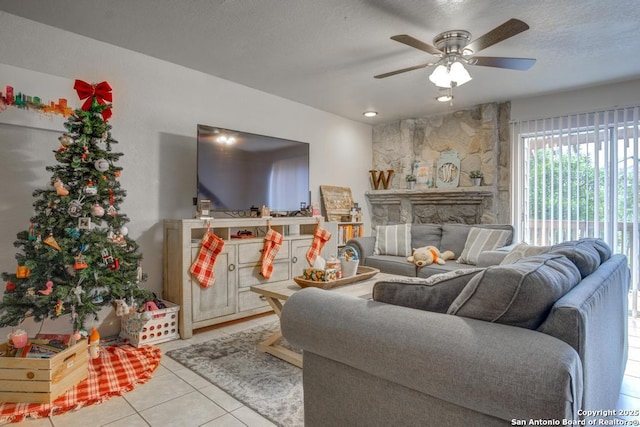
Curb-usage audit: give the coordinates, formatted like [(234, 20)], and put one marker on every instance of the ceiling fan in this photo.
[(455, 48)]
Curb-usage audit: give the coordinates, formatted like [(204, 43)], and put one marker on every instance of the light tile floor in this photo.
[(175, 396)]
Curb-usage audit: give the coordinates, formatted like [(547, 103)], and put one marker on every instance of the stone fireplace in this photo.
[(436, 205), (480, 136)]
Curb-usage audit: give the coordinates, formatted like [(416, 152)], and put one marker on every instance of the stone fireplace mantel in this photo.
[(430, 205)]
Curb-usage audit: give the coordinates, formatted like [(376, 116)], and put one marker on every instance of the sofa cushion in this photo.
[(426, 235), (482, 239), (435, 293), (454, 236), (519, 294), (393, 240), (391, 264), (581, 252), (448, 266), (522, 250)]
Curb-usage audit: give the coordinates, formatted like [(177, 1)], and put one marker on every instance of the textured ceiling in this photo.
[(324, 53)]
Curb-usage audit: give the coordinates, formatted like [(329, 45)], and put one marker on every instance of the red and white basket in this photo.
[(162, 327)]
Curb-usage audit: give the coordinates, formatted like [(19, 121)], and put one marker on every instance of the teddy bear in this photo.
[(427, 255)]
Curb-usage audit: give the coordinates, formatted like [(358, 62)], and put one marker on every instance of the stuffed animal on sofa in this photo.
[(427, 255)]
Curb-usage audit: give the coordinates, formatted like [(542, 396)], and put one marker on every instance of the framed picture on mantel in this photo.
[(423, 171)]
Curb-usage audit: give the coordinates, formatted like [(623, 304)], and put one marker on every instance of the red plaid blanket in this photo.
[(116, 371)]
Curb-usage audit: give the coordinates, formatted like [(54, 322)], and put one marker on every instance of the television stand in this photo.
[(237, 267)]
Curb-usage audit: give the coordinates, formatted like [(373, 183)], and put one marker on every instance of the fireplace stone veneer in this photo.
[(434, 205)]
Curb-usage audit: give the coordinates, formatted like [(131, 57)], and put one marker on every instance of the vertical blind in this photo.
[(577, 176)]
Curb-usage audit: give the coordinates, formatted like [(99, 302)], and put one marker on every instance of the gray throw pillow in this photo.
[(480, 240), (581, 252), (435, 293), (393, 240), (523, 250), (519, 294)]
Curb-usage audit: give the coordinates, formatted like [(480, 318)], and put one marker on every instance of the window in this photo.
[(577, 176)]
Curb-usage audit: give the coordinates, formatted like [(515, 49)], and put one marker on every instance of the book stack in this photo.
[(44, 346)]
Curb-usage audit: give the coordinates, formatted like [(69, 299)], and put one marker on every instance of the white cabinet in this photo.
[(237, 267)]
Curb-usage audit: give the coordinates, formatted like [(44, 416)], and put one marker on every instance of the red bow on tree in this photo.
[(101, 91)]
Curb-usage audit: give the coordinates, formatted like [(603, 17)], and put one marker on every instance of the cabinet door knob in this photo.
[(232, 267), (294, 259)]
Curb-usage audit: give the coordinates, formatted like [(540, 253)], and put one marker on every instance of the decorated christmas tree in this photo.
[(76, 256)]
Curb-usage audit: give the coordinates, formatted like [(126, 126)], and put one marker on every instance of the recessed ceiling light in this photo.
[(370, 113)]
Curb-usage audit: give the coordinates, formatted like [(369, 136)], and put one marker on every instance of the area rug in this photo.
[(262, 382), (118, 370)]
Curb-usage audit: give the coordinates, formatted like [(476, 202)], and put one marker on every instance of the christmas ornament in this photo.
[(51, 241), (76, 335), (78, 291), (111, 210), (80, 263), (10, 286), (59, 186), (91, 188), (32, 232), (124, 230), (97, 210), (115, 265), (101, 165), (84, 223), (85, 154), (75, 208), (73, 232), (59, 308), (145, 316), (66, 140), (107, 258), (31, 292), (49, 288), (22, 272)]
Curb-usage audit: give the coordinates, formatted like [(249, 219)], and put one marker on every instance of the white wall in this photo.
[(156, 108), (597, 98)]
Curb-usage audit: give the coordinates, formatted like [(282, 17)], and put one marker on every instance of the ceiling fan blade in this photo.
[(521, 64), (417, 44), (508, 29), (404, 70)]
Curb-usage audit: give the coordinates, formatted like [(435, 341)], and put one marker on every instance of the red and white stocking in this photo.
[(320, 237), (272, 243), (202, 268)]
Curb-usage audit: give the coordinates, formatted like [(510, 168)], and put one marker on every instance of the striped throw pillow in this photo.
[(480, 240), (393, 240)]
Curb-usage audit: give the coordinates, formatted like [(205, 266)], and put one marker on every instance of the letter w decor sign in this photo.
[(378, 177)]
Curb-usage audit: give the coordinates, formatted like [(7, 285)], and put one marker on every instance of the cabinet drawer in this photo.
[(248, 300), (250, 275), (252, 252)]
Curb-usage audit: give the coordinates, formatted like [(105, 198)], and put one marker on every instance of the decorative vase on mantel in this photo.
[(476, 181)]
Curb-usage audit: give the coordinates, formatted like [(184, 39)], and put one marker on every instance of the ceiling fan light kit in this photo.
[(455, 49)]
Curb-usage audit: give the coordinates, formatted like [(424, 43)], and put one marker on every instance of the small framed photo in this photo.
[(204, 208), (84, 223)]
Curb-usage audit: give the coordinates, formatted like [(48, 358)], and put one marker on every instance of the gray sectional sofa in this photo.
[(445, 237), (543, 338)]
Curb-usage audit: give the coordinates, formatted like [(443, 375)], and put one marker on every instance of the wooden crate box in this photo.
[(26, 380)]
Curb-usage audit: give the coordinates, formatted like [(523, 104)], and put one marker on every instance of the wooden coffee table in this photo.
[(277, 293)]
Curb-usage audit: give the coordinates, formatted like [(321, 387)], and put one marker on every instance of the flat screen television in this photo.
[(239, 170)]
